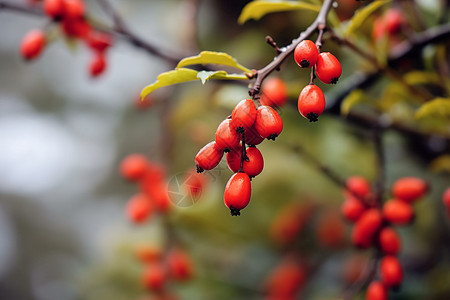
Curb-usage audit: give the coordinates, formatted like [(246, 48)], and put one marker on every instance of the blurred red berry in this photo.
[(139, 208), (32, 44), (409, 189), (134, 166), (391, 271), (389, 241), (398, 212), (273, 92)]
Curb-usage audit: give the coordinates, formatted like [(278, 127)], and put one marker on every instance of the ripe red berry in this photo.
[(134, 166), (53, 8), (147, 253), (244, 115), (398, 212), (97, 65), (139, 208), (208, 157), (179, 264), (446, 200), (268, 122), (409, 189), (77, 28), (393, 21), (290, 221), (389, 241), (285, 280), (328, 68), (252, 167), (99, 41), (237, 193), (227, 138), (32, 44), (154, 277), (311, 102), (194, 183), (306, 54), (358, 185), (352, 208), (73, 9), (273, 92), (366, 227), (391, 271), (376, 291)]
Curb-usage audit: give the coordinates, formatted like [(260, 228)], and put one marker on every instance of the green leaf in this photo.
[(206, 75), (169, 78), (185, 75), (257, 9), (210, 57), (356, 96), (363, 14), (436, 108)]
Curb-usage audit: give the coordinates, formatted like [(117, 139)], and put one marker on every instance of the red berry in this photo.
[(160, 197), (446, 200), (285, 280), (134, 166), (268, 122), (366, 227), (194, 183), (53, 8), (273, 92), (378, 29), (352, 208), (252, 167), (244, 115), (311, 102), (328, 68), (154, 277), (391, 271), (97, 65), (398, 212), (237, 193), (393, 21), (76, 28), (147, 253), (306, 54), (252, 136), (227, 138), (99, 41), (139, 208), (73, 9), (376, 291), (409, 189), (358, 185), (389, 241), (179, 264), (208, 157), (32, 44)]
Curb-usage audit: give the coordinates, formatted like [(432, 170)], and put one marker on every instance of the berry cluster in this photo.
[(153, 194), (70, 15), (160, 268), (247, 125), (373, 226), (325, 65)]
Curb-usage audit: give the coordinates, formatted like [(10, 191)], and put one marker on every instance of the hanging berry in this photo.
[(389, 241), (134, 167), (311, 102), (268, 122), (227, 138), (273, 92), (398, 212), (253, 165), (53, 8), (139, 208), (154, 277), (352, 208), (237, 193), (32, 44), (376, 291), (208, 157), (366, 227), (328, 68), (306, 54), (244, 115), (409, 189), (391, 271)]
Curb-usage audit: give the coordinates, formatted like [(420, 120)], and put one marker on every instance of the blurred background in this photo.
[(64, 233)]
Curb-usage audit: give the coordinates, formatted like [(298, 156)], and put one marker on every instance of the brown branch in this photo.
[(319, 22), (120, 28)]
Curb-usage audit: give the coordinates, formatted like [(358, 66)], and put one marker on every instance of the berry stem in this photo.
[(243, 153)]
